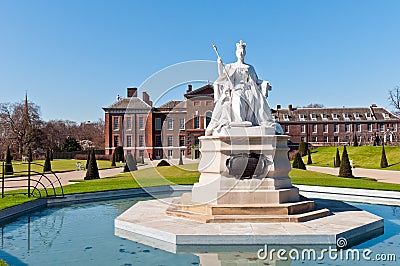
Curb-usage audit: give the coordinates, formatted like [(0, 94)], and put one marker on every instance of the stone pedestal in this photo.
[(217, 186)]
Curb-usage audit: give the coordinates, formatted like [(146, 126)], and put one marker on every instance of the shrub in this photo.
[(113, 160), (384, 162), (345, 167), (131, 164), (71, 144), (9, 170), (88, 159), (298, 162), (119, 154), (309, 160), (180, 159), (163, 163), (337, 159), (92, 171), (355, 141), (303, 148), (47, 163)]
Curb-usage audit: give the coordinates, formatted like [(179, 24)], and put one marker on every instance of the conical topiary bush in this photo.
[(303, 148), (355, 141), (47, 163), (345, 167), (131, 164), (180, 159), (298, 162), (337, 158), (113, 160), (384, 162), (8, 168), (92, 171)]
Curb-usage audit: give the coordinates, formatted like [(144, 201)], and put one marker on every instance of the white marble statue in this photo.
[(240, 97)]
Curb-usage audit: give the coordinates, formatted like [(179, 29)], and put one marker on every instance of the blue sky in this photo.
[(73, 57)]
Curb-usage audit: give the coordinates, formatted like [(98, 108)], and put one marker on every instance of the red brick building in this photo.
[(174, 127)]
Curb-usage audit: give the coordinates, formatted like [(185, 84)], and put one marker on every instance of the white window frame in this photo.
[(181, 125), (314, 128), (336, 128), (369, 127), (324, 116), (170, 123), (170, 141), (313, 116), (141, 122), (303, 128), (326, 128), (335, 116)]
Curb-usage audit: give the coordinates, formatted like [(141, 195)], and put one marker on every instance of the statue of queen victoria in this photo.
[(240, 97)]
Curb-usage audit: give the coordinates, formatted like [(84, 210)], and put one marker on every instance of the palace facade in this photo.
[(175, 127)]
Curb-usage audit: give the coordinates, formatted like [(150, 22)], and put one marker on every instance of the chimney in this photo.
[(132, 92), (290, 107), (189, 89), (278, 106), (146, 98), (373, 105)]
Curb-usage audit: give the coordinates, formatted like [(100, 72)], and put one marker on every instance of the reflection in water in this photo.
[(84, 235)]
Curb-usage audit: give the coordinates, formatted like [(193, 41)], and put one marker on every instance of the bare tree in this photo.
[(394, 98), (21, 123)]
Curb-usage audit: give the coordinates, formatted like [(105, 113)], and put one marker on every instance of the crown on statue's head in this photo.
[(241, 45)]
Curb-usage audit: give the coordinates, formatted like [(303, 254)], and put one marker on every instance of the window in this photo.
[(181, 141), (335, 116), (346, 116), (169, 153), (314, 128), (128, 152), (196, 103), (301, 116), (394, 127), (208, 118), (169, 141), (286, 117), (314, 139), (347, 127), (368, 116), (209, 103), (303, 128), (324, 116), (381, 127), (286, 128), (335, 128), (369, 127), (158, 141), (116, 141), (196, 140), (325, 128), (357, 115), (141, 123), (326, 139), (386, 116), (129, 123), (141, 141), (169, 124), (335, 139), (313, 116), (129, 141), (358, 127), (141, 153), (158, 123), (302, 139), (182, 123), (196, 122), (116, 123)]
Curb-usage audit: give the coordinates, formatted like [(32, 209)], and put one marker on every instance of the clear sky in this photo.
[(73, 57)]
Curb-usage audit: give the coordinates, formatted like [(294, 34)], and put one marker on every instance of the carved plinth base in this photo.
[(300, 211)]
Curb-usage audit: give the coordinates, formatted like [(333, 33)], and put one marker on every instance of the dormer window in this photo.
[(385, 116), (302, 116), (324, 116), (313, 116), (357, 116), (286, 117), (335, 116), (368, 116), (346, 116)]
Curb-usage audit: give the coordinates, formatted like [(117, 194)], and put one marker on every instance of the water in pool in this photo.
[(83, 234)]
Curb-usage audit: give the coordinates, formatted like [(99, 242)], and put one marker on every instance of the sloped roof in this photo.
[(129, 103), (204, 90), (171, 104)]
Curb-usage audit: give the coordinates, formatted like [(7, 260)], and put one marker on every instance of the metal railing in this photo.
[(40, 184)]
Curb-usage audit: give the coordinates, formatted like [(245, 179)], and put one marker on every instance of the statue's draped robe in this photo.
[(239, 98)]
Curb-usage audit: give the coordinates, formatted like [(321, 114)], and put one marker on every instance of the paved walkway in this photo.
[(386, 176)]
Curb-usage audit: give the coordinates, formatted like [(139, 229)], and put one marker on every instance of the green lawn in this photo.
[(57, 165), (304, 177), (363, 157), (2, 263)]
